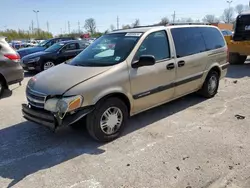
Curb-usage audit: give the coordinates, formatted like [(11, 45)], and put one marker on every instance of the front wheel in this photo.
[(108, 119), (211, 85), (47, 65)]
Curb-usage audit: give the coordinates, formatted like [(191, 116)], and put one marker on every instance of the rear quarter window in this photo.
[(213, 38), (188, 41)]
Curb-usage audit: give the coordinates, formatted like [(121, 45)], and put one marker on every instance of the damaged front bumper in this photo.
[(52, 120)]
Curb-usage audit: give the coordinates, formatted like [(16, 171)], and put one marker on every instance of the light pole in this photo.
[(36, 12), (229, 3)]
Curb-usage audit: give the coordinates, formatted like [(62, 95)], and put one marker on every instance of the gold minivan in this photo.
[(126, 72)]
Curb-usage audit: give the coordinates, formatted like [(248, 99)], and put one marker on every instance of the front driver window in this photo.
[(155, 44)]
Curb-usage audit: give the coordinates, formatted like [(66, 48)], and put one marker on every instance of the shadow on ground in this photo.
[(27, 148), (239, 71), (29, 73)]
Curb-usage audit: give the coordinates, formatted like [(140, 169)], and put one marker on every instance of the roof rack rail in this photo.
[(177, 23), (189, 23)]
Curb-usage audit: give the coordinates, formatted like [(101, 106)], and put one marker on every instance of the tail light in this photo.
[(13, 57)]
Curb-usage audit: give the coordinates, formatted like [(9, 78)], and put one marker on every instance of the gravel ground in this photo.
[(188, 143)]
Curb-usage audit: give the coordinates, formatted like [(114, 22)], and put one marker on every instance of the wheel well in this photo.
[(120, 96), (217, 69), (4, 80)]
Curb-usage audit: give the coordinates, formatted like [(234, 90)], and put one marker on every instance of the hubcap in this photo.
[(212, 84), (111, 120), (48, 65)]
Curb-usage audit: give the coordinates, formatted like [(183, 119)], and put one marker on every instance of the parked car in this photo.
[(227, 32), (54, 55), (11, 71), (42, 46), (147, 67)]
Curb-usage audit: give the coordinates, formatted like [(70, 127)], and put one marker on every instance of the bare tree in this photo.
[(136, 23), (126, 27), (239, 8), (210, 19), (185, 20), (228, 15), (164, 21), (90, 25), (112, 27)]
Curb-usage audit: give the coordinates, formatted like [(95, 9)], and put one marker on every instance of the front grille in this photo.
[(35, 98)]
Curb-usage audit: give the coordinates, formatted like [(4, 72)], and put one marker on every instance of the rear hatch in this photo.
[(242, 28)]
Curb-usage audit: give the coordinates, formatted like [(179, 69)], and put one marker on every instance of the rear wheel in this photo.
[(211, 85), (108, 119), (2, 87), (235, 58)]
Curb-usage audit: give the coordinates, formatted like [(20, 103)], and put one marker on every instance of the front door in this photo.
[(69, 51), (152, 85)]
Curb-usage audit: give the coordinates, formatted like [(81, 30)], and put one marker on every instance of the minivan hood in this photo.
[(59, 79)]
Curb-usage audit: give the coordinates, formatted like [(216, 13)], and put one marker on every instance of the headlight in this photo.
[(34, 60), (66, 104)]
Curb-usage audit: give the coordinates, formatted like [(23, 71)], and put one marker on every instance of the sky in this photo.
[(18, 14)]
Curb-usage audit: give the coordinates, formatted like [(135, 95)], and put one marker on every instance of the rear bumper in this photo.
[(224, 68), (51, 120), (14, 75)]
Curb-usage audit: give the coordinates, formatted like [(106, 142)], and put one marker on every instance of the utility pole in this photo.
[(36, 12), (79, 27), (117, 22), (47, 26), (69, 26), (229, 3), (173, 17), (32, 26)]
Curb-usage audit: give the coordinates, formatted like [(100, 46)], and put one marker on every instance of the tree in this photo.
[(90, 25), (210, 19), (112, 27), (136, 23), (239, 8), (164, 21), (228, 15), (126, 27)]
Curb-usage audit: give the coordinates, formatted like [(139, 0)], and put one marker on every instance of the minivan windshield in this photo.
[(108, 50), (54, 47)]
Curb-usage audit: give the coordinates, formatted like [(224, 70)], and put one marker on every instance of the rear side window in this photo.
[(213, 38), (188, 41)]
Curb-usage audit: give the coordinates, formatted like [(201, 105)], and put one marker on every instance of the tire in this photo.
[(207, 90), (237, 59), (2, 87), (107, 106), (46, 65)]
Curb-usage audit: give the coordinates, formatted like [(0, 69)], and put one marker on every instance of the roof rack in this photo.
[(189, 23), (169, 24)]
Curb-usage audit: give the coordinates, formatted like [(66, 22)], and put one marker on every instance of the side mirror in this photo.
[(144, 60)]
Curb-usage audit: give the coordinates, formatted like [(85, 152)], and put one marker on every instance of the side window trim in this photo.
[(167, 39)]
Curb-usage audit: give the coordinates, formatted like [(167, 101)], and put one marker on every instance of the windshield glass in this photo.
[(43, 43), (107, 50), (54, 47)]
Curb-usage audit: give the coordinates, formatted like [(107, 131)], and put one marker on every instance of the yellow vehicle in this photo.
[(239, 43)]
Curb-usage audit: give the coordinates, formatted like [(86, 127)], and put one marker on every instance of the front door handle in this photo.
[(170, 66), (181, 63)]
